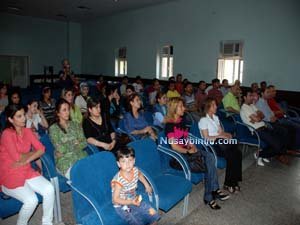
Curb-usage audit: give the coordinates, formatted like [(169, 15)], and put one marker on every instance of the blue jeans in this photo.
[(211, 176), (137, 215)]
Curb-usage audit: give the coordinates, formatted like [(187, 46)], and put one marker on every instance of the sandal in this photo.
[(229, 189), (237, 188), (212, 204)]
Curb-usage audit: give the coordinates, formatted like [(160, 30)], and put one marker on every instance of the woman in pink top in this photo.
[(17, 178)]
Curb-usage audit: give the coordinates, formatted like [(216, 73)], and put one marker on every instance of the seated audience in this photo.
[(35, 118), (176, 130), (81, 100), (75, 113), (172, 92), (47, 105), (135, 122), (215, 92), (111, 105), (255, 88), (179, 84), (138, 85), (97, 129), (230, 100), (67, 138), (210, 128), (225, 87), (291, 130), (263, 86), (66, 75), (127, 203), (153, 90), (3, 97), (273, 137), (190, 101), (160, 109), (201, 95), (123, 86), (14, 97), (19, 147)]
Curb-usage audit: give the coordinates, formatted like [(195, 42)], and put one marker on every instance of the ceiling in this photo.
[(72, 10)]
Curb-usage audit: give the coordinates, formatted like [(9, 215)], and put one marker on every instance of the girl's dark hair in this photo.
[(129, 99), (91, 103), (125, 152), (30, 102), (110, 89), (11, 93), (159, 95), (10, 112), (129, 86), (59, 103)]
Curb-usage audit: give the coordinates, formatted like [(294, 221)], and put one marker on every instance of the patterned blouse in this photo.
[(69, 144)]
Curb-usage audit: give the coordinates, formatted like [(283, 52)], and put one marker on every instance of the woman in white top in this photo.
[(35, 117), (211, 129), (81, 100)]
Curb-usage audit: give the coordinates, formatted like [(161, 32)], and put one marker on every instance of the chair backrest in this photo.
[(147, 156), (93, 175), (241, 131)]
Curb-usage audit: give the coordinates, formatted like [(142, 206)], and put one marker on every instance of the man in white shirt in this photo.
[(276, 143)]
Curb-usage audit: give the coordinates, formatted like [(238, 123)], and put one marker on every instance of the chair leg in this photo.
[(58, 206), (185, 205), (55, 216)]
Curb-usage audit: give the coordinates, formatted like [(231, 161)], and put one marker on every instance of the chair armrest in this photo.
[(208, 147), (120, 131), (49, 166), (92, 149), (154, 188), (89, 199), (292, 112), (179, 158)]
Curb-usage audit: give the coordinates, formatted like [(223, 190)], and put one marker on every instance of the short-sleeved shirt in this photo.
[(230, 100), (48, 109), (11, 147), (189, 100), (128, 187), (210, 124), (99, 132), (246, 112)]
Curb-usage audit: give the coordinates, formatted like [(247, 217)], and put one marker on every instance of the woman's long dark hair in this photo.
[(129, 99), (10, 112), (59, 103)]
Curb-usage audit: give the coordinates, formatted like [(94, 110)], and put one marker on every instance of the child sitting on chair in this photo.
[(128, 205)]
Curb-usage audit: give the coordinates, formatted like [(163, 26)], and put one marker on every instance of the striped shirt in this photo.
[(128, 187)]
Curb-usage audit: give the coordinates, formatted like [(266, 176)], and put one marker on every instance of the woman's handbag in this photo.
[(195, 162)]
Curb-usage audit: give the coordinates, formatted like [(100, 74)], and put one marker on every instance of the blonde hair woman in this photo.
[(176, 129)]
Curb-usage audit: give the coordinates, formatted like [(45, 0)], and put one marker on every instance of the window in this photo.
[(165, 62), (121, 62), (231, 63)]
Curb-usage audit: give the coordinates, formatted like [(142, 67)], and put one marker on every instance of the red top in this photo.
[(12, 146), (179, 87), (216, 94), (275, 108)]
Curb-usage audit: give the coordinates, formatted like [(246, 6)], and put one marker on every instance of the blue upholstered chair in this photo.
[(91, 190), (166, 154), (247, 137), (170, 188)]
